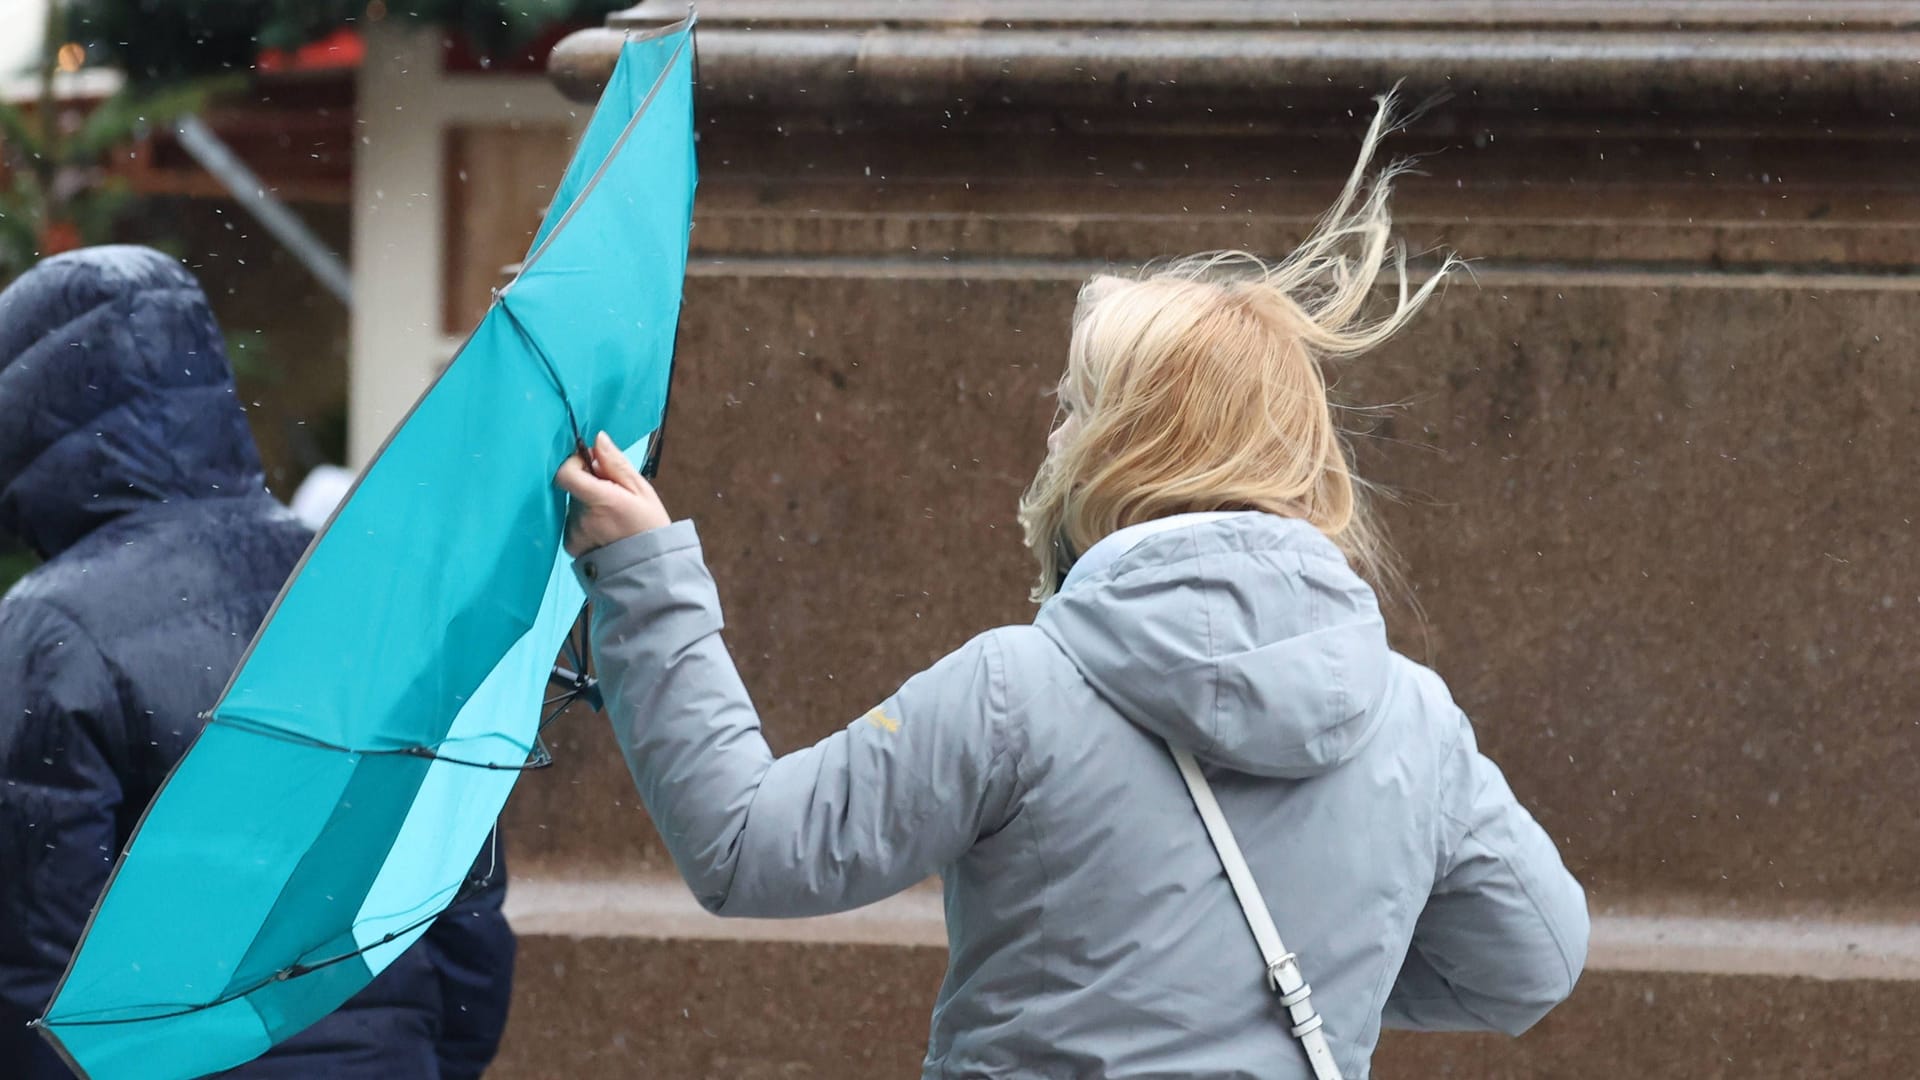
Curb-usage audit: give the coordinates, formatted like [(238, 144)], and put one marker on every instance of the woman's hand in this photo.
[(611, 500)]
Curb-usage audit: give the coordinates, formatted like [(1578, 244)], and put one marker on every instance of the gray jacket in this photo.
[(1091, 931)]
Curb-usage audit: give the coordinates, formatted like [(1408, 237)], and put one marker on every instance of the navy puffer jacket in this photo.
[(126, 463)]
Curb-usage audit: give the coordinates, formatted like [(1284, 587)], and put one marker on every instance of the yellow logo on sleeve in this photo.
[(882, 721)]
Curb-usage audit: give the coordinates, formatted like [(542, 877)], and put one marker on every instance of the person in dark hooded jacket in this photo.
[(127, 465)]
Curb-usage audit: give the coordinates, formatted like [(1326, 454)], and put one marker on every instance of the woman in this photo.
[(1201, 541)]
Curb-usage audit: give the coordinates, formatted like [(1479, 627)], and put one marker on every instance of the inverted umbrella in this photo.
[(334, 801)]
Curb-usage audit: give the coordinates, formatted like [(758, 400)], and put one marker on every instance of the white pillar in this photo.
[(406, 104), (395, 341)]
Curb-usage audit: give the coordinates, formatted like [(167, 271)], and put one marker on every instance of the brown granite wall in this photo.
[(1657, 526), (716, 1009)]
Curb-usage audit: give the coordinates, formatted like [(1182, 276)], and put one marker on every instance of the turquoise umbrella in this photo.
[(334, 802)]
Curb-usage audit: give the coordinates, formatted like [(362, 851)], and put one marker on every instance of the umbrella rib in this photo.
[(553, 372), (297, 970), (557, 712), (296, 738), (293, 972), (578, 685)]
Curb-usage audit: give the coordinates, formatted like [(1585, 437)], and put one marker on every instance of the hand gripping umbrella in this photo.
[(334, 802)]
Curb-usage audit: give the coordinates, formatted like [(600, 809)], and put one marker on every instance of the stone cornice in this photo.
[(951, 63)]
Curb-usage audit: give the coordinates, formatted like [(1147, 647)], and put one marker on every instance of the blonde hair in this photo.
[(1198, 385)]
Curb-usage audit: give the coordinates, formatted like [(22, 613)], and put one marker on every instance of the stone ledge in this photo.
[(946, 65), (1486, 273), (1713, 16), (1624, 940), (661, 907)]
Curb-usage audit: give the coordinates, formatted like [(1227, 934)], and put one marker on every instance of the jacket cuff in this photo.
[(603, 563)]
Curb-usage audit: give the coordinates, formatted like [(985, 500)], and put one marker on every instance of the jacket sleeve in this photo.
[(901, 792), (59, 803), (1504, 935), (473, 954)]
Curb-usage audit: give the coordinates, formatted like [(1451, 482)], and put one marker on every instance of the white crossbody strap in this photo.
[(1283, 970)]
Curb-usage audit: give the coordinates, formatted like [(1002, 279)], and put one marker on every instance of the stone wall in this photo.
[(1651, 456)]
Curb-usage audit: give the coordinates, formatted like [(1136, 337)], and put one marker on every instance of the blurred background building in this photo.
[(1653, 455)]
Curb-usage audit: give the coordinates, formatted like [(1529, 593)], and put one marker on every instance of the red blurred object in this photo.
[(341, 50), (345, 50), (58, 236)]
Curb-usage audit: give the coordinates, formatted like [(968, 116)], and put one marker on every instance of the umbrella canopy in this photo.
[(334, 802)]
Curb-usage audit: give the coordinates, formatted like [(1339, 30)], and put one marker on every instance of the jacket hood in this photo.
[(1245, 638), (115, 394)]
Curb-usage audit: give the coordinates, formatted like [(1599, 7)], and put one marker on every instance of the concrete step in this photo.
[(628, 976)]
